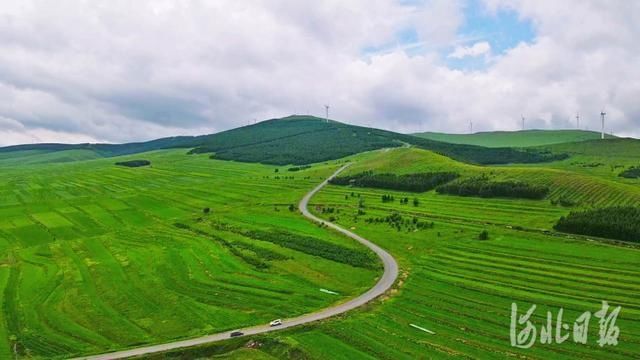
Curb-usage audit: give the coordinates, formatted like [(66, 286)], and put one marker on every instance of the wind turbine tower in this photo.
[(326, 108), (471, 127), (578, 121), (522, 116), (602, 114)]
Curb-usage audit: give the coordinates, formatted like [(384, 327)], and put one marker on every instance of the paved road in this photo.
[(384, 283)]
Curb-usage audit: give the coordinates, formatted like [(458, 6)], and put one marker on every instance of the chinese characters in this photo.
[(523, 333)]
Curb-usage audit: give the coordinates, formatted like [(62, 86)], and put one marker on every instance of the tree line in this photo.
[(620, 223), (419, 182), (483, 187)]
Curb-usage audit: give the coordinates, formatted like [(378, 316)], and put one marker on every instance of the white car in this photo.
[(276, 322)]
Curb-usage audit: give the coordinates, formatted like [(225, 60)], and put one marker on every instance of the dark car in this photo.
[(236, 333)]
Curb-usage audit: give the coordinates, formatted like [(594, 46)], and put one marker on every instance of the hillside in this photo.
[(109, 150), (307, 139), (564, 181), (302, 140), (618, 148), (523, 138)]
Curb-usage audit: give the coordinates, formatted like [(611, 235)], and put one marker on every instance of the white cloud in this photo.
[(123, 71), (475, 50)]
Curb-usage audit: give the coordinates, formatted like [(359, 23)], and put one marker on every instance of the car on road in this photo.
[(236, 333), (276, 322)]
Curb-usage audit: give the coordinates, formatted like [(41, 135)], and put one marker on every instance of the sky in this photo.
[(118, 70)]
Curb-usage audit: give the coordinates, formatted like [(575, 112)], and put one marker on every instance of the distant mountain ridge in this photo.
[(521, 138), (302, 140)]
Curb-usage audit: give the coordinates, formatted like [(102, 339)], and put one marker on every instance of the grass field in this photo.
[(462, 288), (97, 257), (90, 259), (523, 138)]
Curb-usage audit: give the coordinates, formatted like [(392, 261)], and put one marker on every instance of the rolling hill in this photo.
[(523, 138), (96, 257), (302, 140)]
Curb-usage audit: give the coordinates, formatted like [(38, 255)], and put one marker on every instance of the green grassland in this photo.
[(523, 138), (91, 261), (600, 158), (97, 257), (460, 287)]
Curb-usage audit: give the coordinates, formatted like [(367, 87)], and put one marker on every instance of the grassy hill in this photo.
[(563, 180), (615, 148), (302, 140), (307, 139), (524, 138)]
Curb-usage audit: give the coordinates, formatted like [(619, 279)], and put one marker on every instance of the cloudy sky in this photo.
[(121, 70)]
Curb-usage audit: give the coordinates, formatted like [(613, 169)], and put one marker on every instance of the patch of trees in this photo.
[(620, 223), (483, 187), (299, 168), (631, 173), (410, 182), (316, 247), (564, 202), (399, 222), (329, 210), (134, 163)]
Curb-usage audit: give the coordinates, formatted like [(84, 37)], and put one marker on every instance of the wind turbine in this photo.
[(470, 126), (326, 108), (578, 121), (522, 116), (602, 115)]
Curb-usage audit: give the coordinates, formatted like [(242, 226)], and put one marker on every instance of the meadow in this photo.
[(91, 259), (460, 287), (97, 257)]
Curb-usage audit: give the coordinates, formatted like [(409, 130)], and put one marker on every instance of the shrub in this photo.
[(484, 235)]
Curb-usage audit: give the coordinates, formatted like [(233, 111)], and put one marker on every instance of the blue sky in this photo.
[(503, 29)]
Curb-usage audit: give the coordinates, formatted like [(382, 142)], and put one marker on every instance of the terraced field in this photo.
[(96, 257), (579, 185), (91, 258), (459, 287), (462, 288)]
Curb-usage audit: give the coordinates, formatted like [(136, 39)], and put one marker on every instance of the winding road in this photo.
[(384, 283)]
